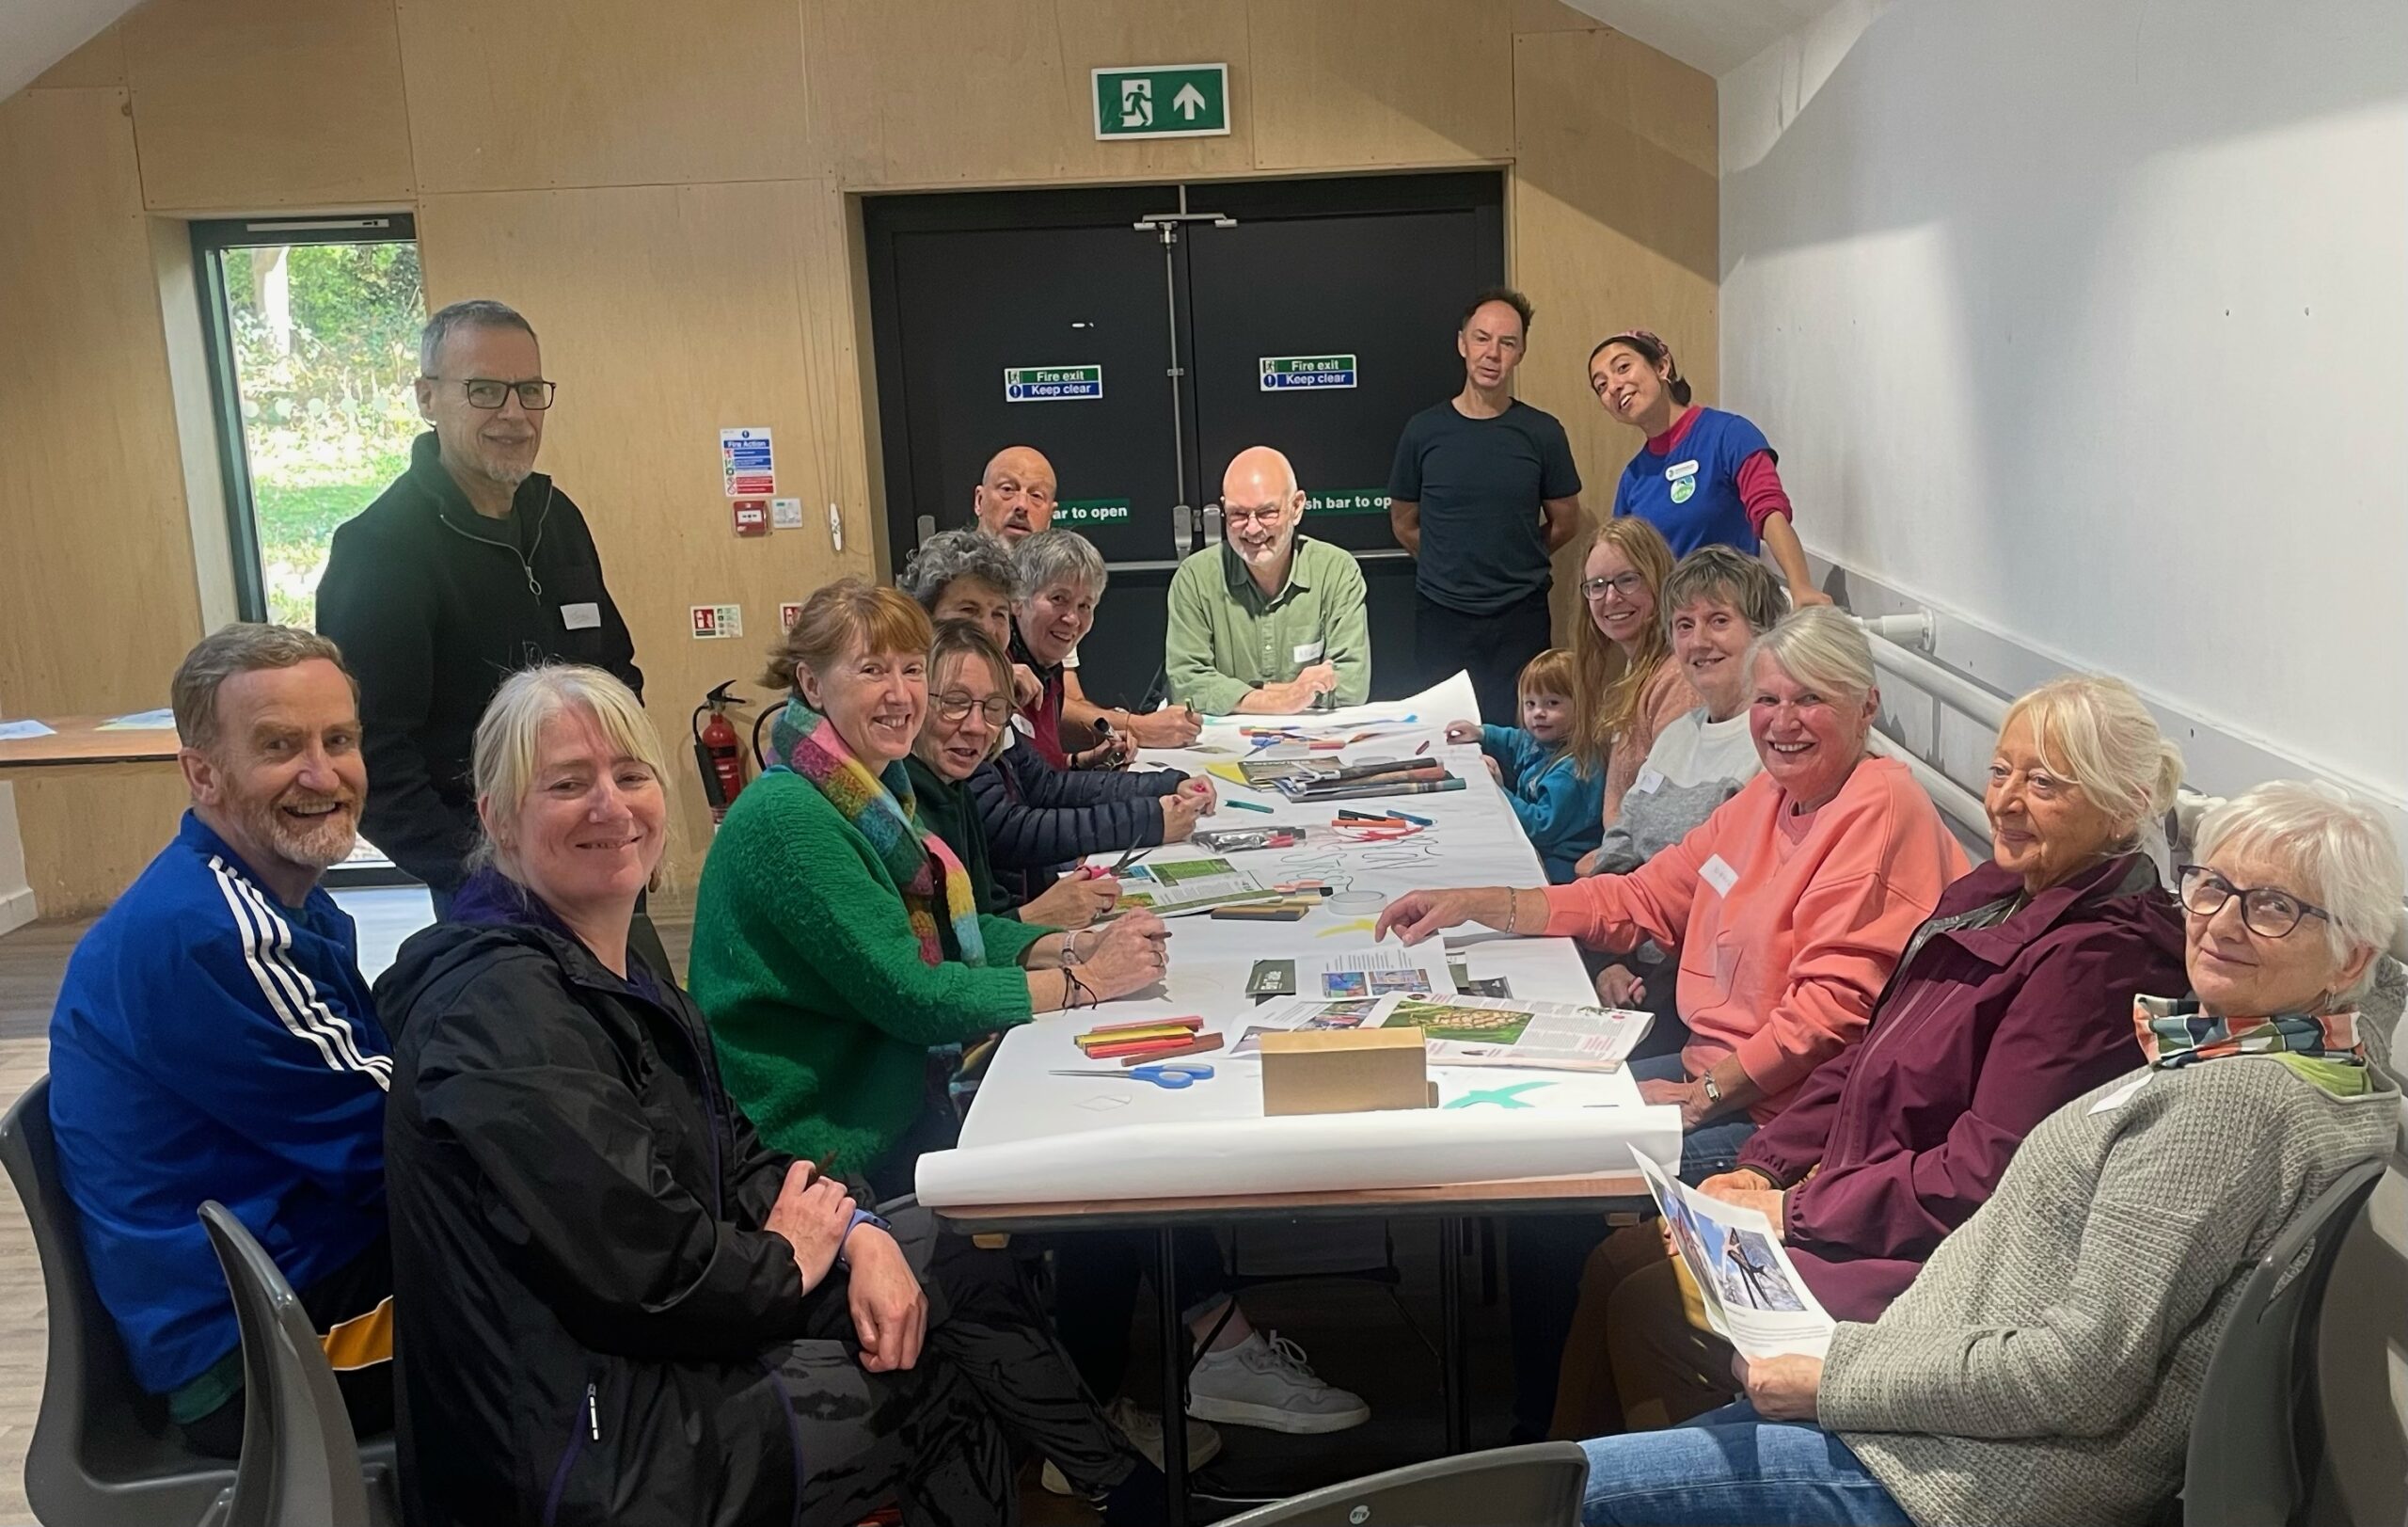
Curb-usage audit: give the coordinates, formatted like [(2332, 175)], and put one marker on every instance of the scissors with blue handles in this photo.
[(1168, 1074)]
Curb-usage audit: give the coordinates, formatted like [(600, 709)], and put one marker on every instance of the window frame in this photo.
[(210, 240)]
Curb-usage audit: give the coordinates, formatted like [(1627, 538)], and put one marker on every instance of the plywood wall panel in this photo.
[(97, 596), (99, 63), (1381, 82), (667, 313), (248, 105), (1552, 16), (602, 92), (1615, 224), (968, 92)]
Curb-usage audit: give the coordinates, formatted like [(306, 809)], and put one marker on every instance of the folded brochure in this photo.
[(1173, 886), (1752, 1294), (1501, 1032)]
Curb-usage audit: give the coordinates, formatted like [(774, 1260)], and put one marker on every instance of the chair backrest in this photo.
[(300, 1465), (102, 1450), (1537, 1486), (2256, 1436)]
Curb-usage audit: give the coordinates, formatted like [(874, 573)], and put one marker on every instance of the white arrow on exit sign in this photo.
[(1188, 102)]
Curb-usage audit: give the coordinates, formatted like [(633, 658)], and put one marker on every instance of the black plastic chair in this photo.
[(301, 1465), (103, 1453), (1537, 1486), (2258, 1433)]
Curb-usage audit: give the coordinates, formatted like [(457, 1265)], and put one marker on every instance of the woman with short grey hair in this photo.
[(951, 554), (2046, 1364), (1043, 808)]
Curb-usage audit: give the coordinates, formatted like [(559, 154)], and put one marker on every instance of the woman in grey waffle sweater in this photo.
[(2045, 1365)]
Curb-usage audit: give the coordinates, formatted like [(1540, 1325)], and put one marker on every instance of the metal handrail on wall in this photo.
[(1987, 707)]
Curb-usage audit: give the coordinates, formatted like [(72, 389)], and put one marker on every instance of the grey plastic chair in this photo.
[(2256, 1439), (301, 1464), (103, 1454), (1537, 1486)]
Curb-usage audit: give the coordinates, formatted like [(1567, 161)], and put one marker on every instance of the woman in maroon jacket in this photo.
[(2012, 1001)]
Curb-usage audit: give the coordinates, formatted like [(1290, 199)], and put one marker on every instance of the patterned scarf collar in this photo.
[(2174, 1031), (882, 809)]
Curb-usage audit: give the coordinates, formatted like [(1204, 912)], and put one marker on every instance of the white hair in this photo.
[(2338, 849), (1820, 648), (2093, 728)]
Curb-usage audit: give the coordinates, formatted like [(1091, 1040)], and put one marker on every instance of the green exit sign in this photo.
[(1163, 101)]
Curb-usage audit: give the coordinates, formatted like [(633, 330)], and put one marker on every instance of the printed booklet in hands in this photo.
[(1752, 1294)]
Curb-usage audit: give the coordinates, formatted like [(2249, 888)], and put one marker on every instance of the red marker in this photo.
[(1422, 749)]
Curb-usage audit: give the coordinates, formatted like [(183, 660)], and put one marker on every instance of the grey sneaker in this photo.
[(1144, 1431), (1265, 1381)]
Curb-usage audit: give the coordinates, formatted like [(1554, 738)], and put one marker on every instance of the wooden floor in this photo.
[(1357, 1337)]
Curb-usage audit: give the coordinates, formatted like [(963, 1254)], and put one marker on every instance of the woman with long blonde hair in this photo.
[(1620, 655)]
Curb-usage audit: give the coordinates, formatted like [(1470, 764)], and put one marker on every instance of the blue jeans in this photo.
[(1710, 1147), (1732, 1466)]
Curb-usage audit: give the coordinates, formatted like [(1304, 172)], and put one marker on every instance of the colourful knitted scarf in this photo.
[(881, 808), (2174, 1031)]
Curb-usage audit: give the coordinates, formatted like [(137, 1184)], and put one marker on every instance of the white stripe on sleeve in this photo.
[(267, 950)]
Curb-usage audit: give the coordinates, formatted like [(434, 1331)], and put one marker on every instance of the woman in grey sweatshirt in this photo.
[(2045, 1365)]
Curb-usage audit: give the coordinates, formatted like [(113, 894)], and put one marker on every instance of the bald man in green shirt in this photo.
[(1270, 621)]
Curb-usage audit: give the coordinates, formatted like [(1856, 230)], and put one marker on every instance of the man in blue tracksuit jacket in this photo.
[(214, 1039)]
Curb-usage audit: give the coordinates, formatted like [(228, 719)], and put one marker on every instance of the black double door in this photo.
[(1134, 357)]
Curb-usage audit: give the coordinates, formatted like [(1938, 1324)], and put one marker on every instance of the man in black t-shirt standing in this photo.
[(1484, 492)]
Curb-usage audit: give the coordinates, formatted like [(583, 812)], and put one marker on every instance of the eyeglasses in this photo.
[(485, 392), (956, 706), (1625, 584), (2264, 911), (1239, 518)]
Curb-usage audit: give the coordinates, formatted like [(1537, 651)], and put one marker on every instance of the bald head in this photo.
[(1015, 494), (1262, 506)]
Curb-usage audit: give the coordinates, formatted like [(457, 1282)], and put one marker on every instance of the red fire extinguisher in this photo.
[(718, 752)]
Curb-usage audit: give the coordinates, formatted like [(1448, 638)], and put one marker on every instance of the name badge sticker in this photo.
[(581, 617), (1719, 875), (1308, 651), (1674, 474), (1646, 782)]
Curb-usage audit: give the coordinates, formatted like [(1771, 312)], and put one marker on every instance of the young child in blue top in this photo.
[(1556, 785)]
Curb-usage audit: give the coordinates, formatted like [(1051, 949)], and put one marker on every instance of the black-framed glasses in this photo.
[(1625, 584), (956, 705), (487, 392), (2264, 911)]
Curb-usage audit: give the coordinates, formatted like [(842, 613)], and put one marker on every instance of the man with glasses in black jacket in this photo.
[(470, 566)]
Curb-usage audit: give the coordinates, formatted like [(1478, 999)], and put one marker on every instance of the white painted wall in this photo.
[(2087, 321)]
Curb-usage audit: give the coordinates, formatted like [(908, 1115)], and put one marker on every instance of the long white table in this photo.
[(1041, 1153), (1033, 1136)]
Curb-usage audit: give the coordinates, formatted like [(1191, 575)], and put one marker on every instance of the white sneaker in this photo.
[(1144, 1431), (1267, 1383)]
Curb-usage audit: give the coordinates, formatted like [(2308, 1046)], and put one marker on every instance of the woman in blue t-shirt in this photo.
[(1704, 477)]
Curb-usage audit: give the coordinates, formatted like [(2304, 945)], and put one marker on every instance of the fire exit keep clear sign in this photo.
[(1052, 384)]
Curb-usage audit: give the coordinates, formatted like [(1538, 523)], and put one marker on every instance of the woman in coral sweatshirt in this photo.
[(1790, 906)]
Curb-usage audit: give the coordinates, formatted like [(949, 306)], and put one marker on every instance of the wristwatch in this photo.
[(1713, 1094)]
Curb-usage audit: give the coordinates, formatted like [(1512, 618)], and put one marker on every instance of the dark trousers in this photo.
[(1493, 648), (1095, 1294), (352, 1291), (991, 1384)]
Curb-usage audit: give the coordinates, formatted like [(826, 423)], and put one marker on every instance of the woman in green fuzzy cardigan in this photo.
[(838, 942)]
